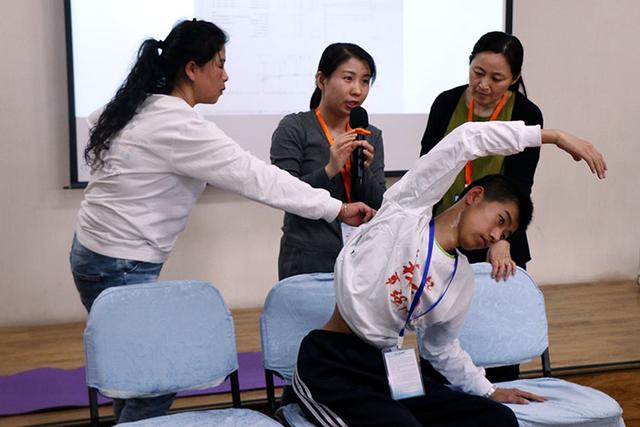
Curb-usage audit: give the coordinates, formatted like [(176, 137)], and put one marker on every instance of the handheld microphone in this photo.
[(358, 118)]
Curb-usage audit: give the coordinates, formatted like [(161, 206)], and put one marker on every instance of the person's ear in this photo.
[(474, 196), (190, 69), (320, 80), (515, 79)]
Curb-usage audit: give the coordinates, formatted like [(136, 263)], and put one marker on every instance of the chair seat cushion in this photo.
[(294, 416), (221, 417), (567, 405)]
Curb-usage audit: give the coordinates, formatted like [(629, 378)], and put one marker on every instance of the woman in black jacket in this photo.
[(495, 65), (494, 77)]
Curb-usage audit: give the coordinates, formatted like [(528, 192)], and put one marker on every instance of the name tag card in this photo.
[(347, 231), (403, 373)]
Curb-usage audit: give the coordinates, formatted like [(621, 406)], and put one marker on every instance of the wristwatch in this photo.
[(491, 391)]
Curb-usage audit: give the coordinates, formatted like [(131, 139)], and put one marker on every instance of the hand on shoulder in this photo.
[(356, 213)]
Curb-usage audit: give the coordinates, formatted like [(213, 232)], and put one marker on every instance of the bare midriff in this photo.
[(337, 323)]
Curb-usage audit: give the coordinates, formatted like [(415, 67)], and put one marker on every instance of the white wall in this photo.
[(580, 68)]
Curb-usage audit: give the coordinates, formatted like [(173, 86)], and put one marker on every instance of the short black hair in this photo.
[(499, 188)]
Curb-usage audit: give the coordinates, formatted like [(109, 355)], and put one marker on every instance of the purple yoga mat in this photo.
[(48, 388)]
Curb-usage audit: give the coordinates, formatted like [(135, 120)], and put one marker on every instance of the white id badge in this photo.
[(347, 231), (403, 373)]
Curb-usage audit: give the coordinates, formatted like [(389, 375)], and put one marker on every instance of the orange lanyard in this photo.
[(346, 170), (468, 169)]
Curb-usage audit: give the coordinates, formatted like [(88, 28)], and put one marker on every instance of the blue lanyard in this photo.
[(418, 294)]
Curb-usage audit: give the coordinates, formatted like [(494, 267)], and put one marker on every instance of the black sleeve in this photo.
[(436, 126), (287, 153), (439, 117), (522, 166)]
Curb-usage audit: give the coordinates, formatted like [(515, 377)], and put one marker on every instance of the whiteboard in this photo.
[(421, 47)]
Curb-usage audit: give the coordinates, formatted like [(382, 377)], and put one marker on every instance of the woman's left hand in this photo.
[(499, 255), (368, 150)]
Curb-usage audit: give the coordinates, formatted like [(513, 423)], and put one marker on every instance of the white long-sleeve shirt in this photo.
[(158, 166), (380, 267)]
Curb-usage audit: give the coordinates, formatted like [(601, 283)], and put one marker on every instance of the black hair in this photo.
[(334, 55), (159, 65), (499, 188), (510, 47)]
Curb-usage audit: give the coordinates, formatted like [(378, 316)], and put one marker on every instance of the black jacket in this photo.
[(521, 167)]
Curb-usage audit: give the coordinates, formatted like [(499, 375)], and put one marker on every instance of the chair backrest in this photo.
[(294, 306), (506, 323), (154, 338)]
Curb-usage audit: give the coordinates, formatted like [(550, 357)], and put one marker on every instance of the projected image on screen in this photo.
[(420, 48)]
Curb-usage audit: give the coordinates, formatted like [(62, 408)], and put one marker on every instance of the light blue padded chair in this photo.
[(157, 338), (507, 324), (294, 306)]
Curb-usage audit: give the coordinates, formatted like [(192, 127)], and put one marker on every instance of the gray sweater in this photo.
[(300, 147)]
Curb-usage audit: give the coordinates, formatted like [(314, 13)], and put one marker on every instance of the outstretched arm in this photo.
[(434, 172), (578, 148)]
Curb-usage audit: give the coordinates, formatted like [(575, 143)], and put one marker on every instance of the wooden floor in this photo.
[(591, 326)]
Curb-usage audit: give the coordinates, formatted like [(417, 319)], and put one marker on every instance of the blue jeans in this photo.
[(92, 274)]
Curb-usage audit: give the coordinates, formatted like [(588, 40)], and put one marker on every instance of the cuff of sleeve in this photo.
[(319, 179), (484, 387), (332, 210), (531, 137)]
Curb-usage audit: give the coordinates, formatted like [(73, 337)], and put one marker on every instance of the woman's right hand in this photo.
[(356, 214), (339, 152)]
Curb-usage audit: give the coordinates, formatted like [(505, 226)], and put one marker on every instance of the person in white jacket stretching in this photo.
[(402, 270)]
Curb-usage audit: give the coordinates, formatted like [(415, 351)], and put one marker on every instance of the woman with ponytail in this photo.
[(316, 146), (151, 157), (495, 92)]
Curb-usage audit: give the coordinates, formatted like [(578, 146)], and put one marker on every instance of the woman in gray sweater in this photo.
[(315, 146)]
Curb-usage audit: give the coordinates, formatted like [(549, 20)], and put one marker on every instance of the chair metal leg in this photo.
[(271, 393), (93, 407), (235, 389), (546, 363)]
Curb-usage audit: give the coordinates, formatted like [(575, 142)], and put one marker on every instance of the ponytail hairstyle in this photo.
[(332, 57), (510, 47), (159, 65)]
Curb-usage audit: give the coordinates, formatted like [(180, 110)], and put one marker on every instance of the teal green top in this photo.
[(482, 166)]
